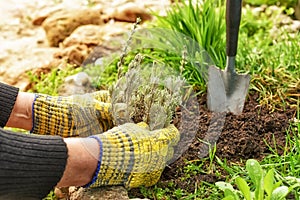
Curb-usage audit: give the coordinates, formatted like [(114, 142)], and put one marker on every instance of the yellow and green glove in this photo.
[(77, 115), (131, 155)]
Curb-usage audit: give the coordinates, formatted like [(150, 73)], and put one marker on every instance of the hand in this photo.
[(133, 156), (77, 115)]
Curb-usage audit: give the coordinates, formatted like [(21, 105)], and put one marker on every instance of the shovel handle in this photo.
[(233, 19)]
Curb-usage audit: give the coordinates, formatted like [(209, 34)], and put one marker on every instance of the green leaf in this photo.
[(223, 186), (230, 194), (280, 193), (256, 174), (269, 182), (277, 184), (229, 191), (244, 188), (228, 198)]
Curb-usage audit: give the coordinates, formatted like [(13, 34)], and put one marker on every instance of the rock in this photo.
[(129, 12), (89, 35), (96, 56), (90, 42), (75, 54), (77, 84), (39, 17), (38, 20), (103, 193), (61, 193), (62, 23), (94, 35)]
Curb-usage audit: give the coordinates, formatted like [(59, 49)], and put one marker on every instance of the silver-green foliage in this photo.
[(147, 93)]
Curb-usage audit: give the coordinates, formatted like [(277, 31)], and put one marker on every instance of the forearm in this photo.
[(31, 165), (21, 114)]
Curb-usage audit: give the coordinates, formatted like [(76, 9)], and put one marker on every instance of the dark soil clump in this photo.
[(253, 134)]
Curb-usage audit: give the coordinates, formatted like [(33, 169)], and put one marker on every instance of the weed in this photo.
[(49, 83), (50, 196)]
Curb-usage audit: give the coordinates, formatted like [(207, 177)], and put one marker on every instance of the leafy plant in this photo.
[(265, 186), (202, 21), (49, 83)]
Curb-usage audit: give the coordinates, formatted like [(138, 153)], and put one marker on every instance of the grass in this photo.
[(272, 60), (287, 3), (49, 83)]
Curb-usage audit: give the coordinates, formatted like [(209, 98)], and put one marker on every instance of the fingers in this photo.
[(143, 125), (102, 95)]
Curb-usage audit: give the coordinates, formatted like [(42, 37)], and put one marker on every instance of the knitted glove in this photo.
[(77, 115), (133, 156)]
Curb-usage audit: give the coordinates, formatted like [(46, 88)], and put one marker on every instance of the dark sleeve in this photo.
[(31, 165), (8, 95)]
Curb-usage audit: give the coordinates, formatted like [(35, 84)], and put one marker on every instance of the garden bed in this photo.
[(256, 133)]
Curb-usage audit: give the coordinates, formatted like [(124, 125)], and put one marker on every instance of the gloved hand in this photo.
[(77, 115), (133, 156)]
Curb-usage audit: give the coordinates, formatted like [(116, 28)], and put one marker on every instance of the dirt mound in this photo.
[(249, 135)]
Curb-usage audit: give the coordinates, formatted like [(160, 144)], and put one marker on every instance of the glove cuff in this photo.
[(94, 179)]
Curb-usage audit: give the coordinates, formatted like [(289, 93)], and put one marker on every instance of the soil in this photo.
[(252, 134)]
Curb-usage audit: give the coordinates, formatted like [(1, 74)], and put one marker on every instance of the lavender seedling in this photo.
[(147, 93)]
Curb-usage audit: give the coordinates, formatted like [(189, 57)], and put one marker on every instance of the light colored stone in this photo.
[(90, 35), (62, 23), (103, 193), (94, 35), (75, 54), (129, 12), (79, 83)]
